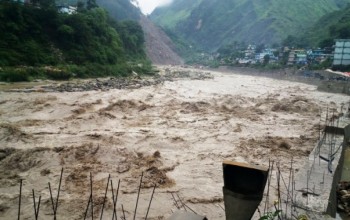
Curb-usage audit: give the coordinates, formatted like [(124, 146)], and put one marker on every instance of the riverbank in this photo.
[(104, 84)]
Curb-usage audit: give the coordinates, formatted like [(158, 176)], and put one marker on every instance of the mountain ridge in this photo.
[(210, 24), (158, 46)]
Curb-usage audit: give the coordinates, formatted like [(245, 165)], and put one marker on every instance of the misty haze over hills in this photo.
[(210, 24)]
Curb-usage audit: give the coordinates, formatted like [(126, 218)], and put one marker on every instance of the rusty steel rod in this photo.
[(175, 202), (307, 188), (221, 207), (92, 201), (291, 204), (20, 199), (265, 206), (289, 179), (87, 207), (268, 187), (104, 199), (138, 196), (52, 203), (183, 205), (115, 200), (123, 212), (279, 190), (149, 205), (34, 203), (58, 192), (196, 212), (37, 211), (36, 208)]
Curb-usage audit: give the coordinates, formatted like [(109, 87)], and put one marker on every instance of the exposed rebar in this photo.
[(138, 195), (289, 180), (291, 204), (181, 202), (268, 187), (149, 206), (58, 192), (193, 210), (92, 201), (104, 199), (221, 207), (123, 212), (36, 208), (115, 200), (20, 199), (175, 202), (52, 203), (87, 207), (279, 190), (307, 188)]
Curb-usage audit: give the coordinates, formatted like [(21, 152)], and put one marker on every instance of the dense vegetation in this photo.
[(86, 43), (335, 25), (121, 9), (210, 24)]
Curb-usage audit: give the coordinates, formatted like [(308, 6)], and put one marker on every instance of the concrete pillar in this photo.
[(243, 189)]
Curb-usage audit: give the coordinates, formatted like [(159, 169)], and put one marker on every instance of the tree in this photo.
[(80, 6), (90, 4), (260, 48), (132, 36), (45, 4), (266, 59), (328, 42)]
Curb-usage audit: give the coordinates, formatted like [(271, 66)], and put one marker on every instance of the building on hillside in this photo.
[(318, 55), (259, 57), (249, 53), (67, 9), (342, 52), (297, 57)]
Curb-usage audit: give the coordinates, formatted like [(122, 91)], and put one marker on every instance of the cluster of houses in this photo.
[(290, 55)]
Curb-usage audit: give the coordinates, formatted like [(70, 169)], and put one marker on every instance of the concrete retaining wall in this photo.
[(317, 181)]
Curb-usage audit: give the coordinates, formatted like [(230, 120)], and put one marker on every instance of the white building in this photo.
[(342, 52), (67, 9)]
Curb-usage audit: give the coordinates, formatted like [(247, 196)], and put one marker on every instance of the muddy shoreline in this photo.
[(325, 81), (105, 84)]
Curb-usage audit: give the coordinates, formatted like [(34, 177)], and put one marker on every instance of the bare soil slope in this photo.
[(159, 47)]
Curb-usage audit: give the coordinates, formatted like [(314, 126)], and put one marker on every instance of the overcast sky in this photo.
[(147, 6)]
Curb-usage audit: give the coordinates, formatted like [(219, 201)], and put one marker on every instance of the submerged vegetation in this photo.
[(37, 41)]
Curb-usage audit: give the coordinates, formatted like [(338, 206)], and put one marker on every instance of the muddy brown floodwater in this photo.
[(177, 133)]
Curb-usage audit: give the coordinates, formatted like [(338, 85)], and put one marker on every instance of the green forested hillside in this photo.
[(121, 9), (170, 16), (85, 43), (210, 24), (335, 25), (118, 9)]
